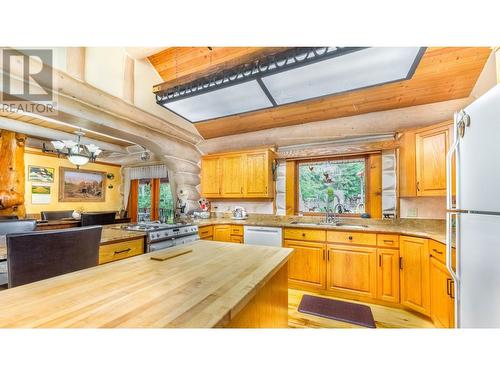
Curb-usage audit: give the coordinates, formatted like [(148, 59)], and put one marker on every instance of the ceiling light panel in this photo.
[(360, 69), (227, 101)]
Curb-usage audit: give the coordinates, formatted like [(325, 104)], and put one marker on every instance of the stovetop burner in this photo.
[(149, 227)]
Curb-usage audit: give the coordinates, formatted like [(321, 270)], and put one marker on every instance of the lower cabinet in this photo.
[(222, 233), (441, 294), (352, 269), (414, 273), (307, 265), (206, 232), (388, 275)]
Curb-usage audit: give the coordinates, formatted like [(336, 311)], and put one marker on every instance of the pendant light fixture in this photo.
[(77, 153)]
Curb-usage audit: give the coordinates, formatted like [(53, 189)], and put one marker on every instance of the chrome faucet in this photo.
[(331, 216)]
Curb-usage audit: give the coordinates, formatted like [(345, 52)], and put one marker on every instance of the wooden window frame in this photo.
[(134, 199), (366, 157)]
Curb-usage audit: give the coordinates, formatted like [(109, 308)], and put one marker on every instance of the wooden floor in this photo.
[(385, 317)]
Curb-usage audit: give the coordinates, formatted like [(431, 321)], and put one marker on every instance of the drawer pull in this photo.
[(205, 232), (303, 234), (400, 263), (380, 260), (122, 251), (389, 241), (350, 238), (436, 251)]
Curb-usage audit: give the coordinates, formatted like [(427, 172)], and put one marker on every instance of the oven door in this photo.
[(155, 246)]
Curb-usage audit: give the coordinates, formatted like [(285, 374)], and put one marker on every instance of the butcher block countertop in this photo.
[(203, 288), (110, 234)]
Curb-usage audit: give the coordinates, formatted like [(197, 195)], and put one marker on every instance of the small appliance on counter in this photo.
[(239, 213), (201, 215)]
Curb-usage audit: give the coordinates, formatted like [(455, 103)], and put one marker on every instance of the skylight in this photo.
[(298, 74)]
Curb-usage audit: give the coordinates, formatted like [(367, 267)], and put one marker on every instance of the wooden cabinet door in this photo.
[(222, 233), (352, 269), (442, 303), (414, 273), (257, 179), (210, 177), (431, 148), (388, 275), (307, 265), (232, 172)]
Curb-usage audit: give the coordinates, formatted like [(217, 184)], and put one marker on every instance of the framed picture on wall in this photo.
[(40, 194), (80, 185), (40, 174)]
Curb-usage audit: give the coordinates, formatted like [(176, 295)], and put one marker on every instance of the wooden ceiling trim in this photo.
[(443, 74), (179, 65)]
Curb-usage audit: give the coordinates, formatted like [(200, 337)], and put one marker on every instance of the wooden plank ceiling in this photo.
[(444, 73)]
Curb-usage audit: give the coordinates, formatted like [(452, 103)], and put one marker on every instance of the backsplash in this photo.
[(423, 208), (265, 207)]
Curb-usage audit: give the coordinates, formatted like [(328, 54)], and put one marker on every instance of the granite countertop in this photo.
[(203, 288), (425, 228), (110, 233)]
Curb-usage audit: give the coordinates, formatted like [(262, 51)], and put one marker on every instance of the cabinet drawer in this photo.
[(304, 234), (352, 238), (120, 250), (437, 250), (237, 239), (207, 231), (236, 230), (388, 240)]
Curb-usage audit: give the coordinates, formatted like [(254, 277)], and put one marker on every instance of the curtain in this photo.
[(150, 171), (132, 202)]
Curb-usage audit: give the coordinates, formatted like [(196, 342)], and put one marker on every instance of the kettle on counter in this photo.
[(239, 213)]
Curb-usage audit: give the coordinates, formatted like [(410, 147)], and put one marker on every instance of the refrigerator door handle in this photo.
[(453, 210), (449, 158)]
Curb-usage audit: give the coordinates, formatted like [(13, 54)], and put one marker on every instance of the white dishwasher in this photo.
[(269, 236)]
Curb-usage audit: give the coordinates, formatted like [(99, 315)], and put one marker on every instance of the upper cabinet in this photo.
[(210, 177), (422, 161), (431, 148), (232, 175), (246, 174)]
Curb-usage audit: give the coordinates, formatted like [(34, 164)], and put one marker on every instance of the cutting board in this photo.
[(171, 254)]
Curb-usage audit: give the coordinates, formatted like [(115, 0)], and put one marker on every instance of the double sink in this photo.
[(343, 225)]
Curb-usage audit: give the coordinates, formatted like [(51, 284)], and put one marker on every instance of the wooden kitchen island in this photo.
[(215, 285)]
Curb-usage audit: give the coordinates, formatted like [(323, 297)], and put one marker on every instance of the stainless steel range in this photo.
[(162, 236)]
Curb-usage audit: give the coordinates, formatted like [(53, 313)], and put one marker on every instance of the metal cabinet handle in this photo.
[(437, 251), (122, 251), (324, 255), (400, 263), (350, 238), (418, 185), (452, 288), (388, 241), (328, 255), (380, 260)]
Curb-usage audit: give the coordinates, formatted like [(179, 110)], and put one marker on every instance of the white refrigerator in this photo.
[(476, 150)]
